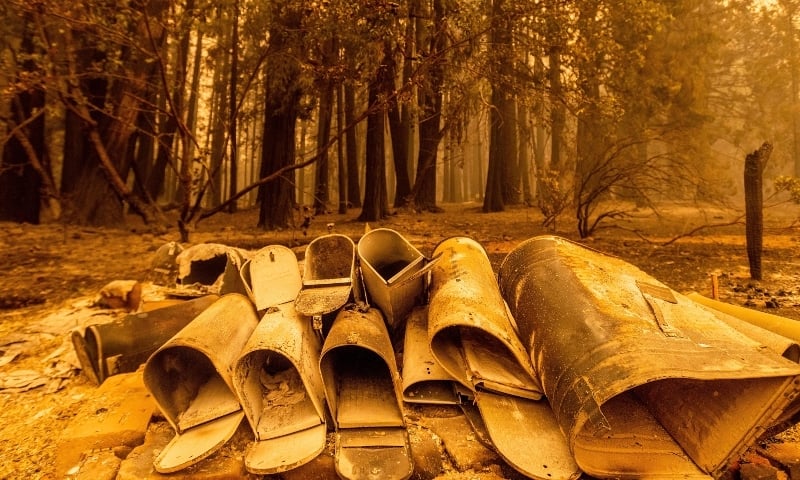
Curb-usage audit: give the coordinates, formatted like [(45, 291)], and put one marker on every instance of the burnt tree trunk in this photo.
[(376, 201), (24, 169), (323, 170), (351, 142), (502, 182), (341, 161), (281, 110), (400, 143), (233, 179), (754, 165)]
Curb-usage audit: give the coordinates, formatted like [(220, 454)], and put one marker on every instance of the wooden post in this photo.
[(715, 286), (754, 165)]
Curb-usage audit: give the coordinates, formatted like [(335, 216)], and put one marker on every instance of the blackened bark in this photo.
[(324, 120), (502, 185), (376, 202), (278, 151), (557, 115), (430, 128), (493, 196), (351, 139), (523, 153), (99, 192), (281, 110), (233, 179), (754, 165), (340, 158), (399, 140), (20, 182)]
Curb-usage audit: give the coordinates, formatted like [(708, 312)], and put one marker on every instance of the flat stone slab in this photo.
[(116, 414), (460, 442)]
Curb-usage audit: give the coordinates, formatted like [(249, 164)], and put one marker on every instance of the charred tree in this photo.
[(233, 180), (754, 165), (278, 151), (557, 113), (502, 183), (281, 111), (400, 142), (376, 201), (322, 166), (340, 158), (324, 121), (351, 143), (23, 166), (430, 107), (100, 184)]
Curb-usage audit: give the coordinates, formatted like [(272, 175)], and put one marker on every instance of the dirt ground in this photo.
[(51, 273)]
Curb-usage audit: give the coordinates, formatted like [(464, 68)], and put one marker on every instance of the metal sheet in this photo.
[(123, 345), (471, 333), (593, 335)]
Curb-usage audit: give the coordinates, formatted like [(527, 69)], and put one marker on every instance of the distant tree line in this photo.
[(143, 105)]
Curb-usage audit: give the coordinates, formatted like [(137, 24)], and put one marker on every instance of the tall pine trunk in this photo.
[(399, 138), (24, 169), (322, 167), (217, 122), (523, 153), (341, 163), (278, 151), (281, 110), (233, 139), (430, 128), (502, 185), (351, 139), (376, 202)]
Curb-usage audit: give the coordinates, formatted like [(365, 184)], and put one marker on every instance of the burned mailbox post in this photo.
[(754, 165)]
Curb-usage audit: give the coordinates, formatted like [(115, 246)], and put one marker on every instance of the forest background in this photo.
[(275, 121), (299, 107)]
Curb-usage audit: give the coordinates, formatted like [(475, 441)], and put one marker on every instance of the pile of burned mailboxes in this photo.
[(571, 360)]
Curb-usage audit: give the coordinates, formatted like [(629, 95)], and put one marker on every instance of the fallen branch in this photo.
[(638, 233)]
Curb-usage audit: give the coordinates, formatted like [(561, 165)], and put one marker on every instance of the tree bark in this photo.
[(754, 165), (399, 139), (22, 165), (430, 128), (282, 104), (493, 196), (376, 202), (523, 154), (233, 139), (97, 197), (217, 120), (77, 148), (502, 185), (340, 158), (278, 151), (322, 167), (351, 140), (557, 115), (407, 130)]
